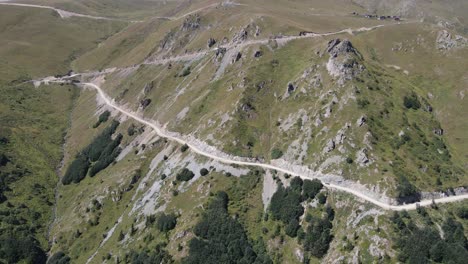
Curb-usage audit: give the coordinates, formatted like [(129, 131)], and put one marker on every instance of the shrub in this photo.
[(166, 222), (362, 103), (220, 238), (286, 205), (407, 192), (204, 172), (184, 148), (185, 175), (276, 153), (318, 237), (59, 258), (322, 198), (77, 170), (131, 130), (292, 227), (296, 184), (462, 212), (411, 102), (102, 118), (186, 71), (311, 188)]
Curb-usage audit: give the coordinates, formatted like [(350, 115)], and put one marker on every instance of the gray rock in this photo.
[(211, 42), (445, 41), (258, 54), (361, 120), (329, 146), (438, 131), (343, 62), (191, 22), (361, 157), (290, 88), (237, 57)]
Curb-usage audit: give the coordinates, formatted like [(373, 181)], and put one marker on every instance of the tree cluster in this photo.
[(286, 202), (411, 102), (59, 258), (98, 155), (102, 118), (158, 255), (185, 175), (166, 222), (318, 235), (425, 245), (221, 239)]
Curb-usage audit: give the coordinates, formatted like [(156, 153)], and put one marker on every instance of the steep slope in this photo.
[(33, 122)]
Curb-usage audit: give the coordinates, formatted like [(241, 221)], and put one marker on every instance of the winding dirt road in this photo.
[(110, 102)]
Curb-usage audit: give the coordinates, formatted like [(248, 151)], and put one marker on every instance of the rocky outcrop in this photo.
[(148, 87), (145, 102), (445, 41), (211, 42), (250, 30), (361, 120), (290, 88), (361, 158), (329, 146), (191, 22), (236, 57), (343, 63), (438, 131)]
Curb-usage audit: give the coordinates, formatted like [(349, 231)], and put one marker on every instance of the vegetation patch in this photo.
[(221, 238), (98, 155)]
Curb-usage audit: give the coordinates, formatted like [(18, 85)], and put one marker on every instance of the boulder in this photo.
[(211, 42), (361, 157), (237, 57), (145, 102), (290, 88), (329, 146), (361, 120), (191, 22), (258, 54), (445, 41), (438, 131)]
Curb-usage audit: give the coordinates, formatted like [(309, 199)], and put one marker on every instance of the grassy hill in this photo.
[(34, 121)]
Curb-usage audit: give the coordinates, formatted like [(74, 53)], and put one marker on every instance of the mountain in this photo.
[(233, 132)]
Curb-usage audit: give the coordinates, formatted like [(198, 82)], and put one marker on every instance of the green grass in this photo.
[(37, 42), (35, 123)]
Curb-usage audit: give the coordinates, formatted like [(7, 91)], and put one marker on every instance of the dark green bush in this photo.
[(411, 102), (311, 188), (407, 192), (276, 153), (292, 227), (322, 198), (185, 175), (362, 103), (204, 172), (286, 205), (166, 222), (77, 170), (59, 258), (318, 237), (102, 118), (186, 71), (220, 238), (184, 148), (102, 151)]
